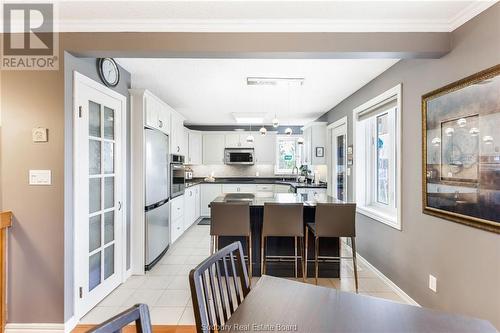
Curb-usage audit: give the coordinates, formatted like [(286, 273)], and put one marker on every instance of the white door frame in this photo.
[(341, 123), (78, 81)]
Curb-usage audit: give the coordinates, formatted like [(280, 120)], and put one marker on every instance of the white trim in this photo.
[(387, 281), (469, 12), (70, 324), (337, 123), (397, 93), (330, 167), (34, 328), (82, 80)]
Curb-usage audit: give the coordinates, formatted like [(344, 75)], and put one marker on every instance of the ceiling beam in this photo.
[(314, 45)]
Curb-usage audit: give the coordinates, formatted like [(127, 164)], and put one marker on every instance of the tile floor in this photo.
[(166, 288)]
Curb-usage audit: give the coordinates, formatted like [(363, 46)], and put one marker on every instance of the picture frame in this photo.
[(320, 151), (461, 151)]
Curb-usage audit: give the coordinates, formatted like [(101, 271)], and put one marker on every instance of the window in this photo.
[(377, 151), (288, 154)]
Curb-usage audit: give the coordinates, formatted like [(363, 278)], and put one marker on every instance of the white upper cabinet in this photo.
[(177, 134), (157, 113), (314, 137), (213, 148), (238, 140), (194, 148), (265, 147)]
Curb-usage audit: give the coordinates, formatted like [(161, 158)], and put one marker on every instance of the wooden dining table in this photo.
[(281, 305)]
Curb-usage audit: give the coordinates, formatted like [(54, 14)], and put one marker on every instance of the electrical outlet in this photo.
[(432, 283)]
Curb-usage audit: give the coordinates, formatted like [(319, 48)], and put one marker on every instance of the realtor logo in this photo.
[(29, 41)]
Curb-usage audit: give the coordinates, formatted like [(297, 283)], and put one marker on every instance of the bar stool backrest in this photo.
[(139, 314), (283, 219), (335, 220), (230, 219)]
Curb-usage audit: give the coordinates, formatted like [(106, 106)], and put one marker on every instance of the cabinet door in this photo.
[(308, 146), (233, 140), (213, 149), (230, 188), (197, 204), (265, 147), (208, 193), (195, 143), (176, 134), (189, 209), (177, 229), (185, 143), (282, 188), (151, 112), (163, 118)]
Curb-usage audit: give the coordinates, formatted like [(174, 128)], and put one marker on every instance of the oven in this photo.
[(177, 176), (239, 156)]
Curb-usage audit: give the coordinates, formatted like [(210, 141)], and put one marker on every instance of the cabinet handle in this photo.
[(160, 123)]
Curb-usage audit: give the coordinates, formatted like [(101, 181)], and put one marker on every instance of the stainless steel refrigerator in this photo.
[(157, 196)]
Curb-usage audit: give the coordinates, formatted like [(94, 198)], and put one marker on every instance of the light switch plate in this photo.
[(40, 134), (40, 177)]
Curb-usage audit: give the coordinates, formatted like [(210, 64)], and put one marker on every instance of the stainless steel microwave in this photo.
[(239, 156)]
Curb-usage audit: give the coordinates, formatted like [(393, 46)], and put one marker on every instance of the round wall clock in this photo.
[(108, 71)]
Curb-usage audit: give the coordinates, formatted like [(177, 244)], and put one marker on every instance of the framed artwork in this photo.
[(461, 151), (320, 151)]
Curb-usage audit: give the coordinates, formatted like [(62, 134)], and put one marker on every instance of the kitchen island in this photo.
[(284, 246)]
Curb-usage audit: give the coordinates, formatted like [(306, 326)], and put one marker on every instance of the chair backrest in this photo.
[(335, 219), (138, 313), (230, 218), (283, 219), (218, 286)]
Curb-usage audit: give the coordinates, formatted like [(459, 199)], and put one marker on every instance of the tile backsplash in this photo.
[(245, 171)]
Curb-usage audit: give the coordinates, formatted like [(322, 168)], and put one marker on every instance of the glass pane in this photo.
[(109, 227), (94, 233), (108, 158), (94, 270), (109, 192), (94, 119), (340, 167), (109, 261), (94, 195), (109, 123), (287, 158), (383, 158), (94, 157)]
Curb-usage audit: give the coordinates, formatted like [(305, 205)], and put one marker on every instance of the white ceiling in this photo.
[(208, 91), (267, 15)]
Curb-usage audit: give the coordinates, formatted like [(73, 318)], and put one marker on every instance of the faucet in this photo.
[(293, 172)]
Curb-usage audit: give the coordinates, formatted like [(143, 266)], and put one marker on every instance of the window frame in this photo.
[(365, 158), (298, 155)]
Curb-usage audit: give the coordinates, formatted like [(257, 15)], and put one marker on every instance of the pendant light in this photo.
[(288, 130), (263, 131), (250, 138), (275, 121), (300, 141)]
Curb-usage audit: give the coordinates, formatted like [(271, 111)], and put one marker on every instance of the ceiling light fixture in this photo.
[(263, 131), (274, 81), (249, 118), (276, 123), (300, 141), (288, 131)]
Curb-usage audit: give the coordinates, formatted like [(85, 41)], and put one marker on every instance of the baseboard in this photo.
[(70, 324), (34, 328), (391, 284)]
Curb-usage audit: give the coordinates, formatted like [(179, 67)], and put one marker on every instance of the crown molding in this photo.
[(470, 12)]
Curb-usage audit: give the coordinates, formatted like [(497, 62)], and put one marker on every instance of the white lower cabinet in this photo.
[(176, 217), (282, 188), (191, 205), (239, 188), (208, 193)]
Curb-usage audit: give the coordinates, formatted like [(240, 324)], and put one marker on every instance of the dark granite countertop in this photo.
[(284, 198), (255, 180)]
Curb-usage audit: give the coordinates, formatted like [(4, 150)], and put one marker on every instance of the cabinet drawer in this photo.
[(238, 188), (177, 229), (177, 208), (265, 188)]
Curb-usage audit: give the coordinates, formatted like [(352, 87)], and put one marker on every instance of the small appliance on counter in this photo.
[(189, 173)]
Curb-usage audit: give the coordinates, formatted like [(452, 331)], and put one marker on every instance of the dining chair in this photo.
[(138, 313), (283, 220), (231, 219), (333, 220), (218, 286)]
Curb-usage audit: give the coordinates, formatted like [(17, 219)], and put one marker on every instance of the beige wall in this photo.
[(31, 99), (465, 260)]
